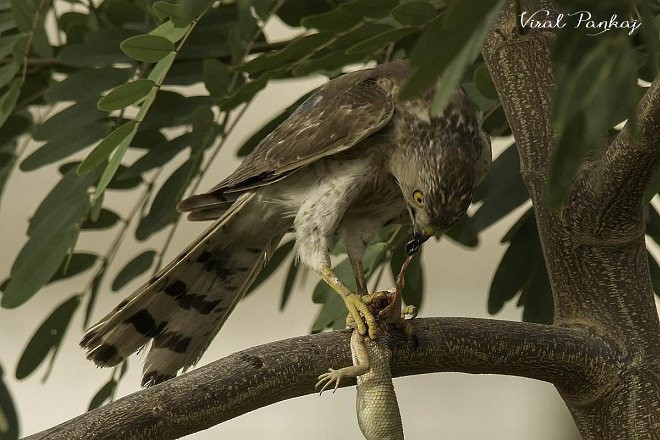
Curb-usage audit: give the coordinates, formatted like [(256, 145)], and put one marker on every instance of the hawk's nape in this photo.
[(350, 159)]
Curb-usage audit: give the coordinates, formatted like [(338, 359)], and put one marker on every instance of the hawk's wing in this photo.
[(340, 114)]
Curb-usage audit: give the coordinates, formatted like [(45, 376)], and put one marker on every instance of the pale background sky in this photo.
[(447, 405)]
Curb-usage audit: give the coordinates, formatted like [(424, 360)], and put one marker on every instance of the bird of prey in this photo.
[(349, 160)]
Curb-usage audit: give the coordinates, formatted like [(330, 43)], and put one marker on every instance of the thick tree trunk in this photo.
[(594, 246)]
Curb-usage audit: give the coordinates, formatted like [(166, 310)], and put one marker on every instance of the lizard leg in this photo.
[(361, 359), (356, 307)]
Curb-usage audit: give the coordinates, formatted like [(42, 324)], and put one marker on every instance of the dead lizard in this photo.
[(377, 407)]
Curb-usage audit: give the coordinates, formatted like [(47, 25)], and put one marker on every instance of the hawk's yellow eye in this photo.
[(418, 198)]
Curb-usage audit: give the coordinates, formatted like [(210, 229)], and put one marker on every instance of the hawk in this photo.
[(349, 160)]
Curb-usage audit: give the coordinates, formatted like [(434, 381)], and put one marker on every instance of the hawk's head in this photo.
[(435, 166), (437, 185)]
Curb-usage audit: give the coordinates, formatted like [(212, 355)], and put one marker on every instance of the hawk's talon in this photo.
[(328, 378), (358, 310)]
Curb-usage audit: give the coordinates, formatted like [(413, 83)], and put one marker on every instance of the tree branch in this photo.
[(631, 161), (607, 198), (270, 373)]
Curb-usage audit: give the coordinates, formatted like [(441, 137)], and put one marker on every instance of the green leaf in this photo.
[(484, 82), (163, 10), (96, 81), (171, 109), (192, 9), (52, 232), (348, 15), (7, 73), (217, 78), (288, 283), (8, 417), (537, 297), (592, 95), (157, 157), (370, 8), (120, 136), (652, 223), (170, 31), (36, 264), (293, 11), (79, 114), (378, 41), (655, 273), (17, 124), (100, 48), (299, 48), (64, 206), (7, 161), (163, 209), (133, 269), (465, 232), (583, 85), (502, 190), (65, 144), (416, 13), (47, 338), (517, 265), (495, 123), (374, 256), (6, 22), (327, 64), (93, 294), (246, 92), (24, 12), (105, 220), (332, 314), (271, 266), (462, 29), (78, 263), (147, 48), (125, 95), (119, 182), (7, 44), (95, 212), (103, 395), (111, 168), (8, 100)]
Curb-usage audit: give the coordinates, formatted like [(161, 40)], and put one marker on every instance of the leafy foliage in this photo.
[(109, 76)]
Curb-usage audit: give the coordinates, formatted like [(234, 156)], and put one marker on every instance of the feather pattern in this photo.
[(182, 307)]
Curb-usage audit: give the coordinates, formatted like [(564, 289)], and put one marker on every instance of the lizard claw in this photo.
[(409, 312), (328, 378)]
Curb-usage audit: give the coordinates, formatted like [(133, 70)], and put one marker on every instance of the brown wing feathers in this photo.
[(183, 306)]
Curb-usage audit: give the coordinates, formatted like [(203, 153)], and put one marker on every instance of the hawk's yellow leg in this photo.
[(357, 308)]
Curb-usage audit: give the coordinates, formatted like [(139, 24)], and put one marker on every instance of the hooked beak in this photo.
[(415, 244)]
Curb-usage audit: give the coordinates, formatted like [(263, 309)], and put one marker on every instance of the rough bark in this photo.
[(594, 246), (270, 373)]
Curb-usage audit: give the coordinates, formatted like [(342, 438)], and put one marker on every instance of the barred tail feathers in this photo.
[(184, 305)]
